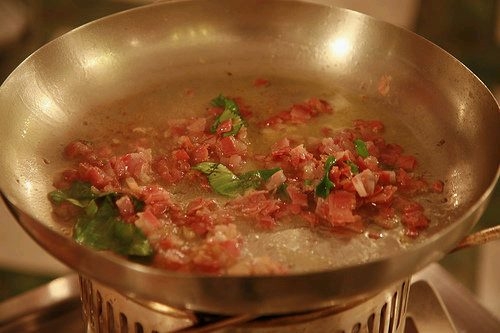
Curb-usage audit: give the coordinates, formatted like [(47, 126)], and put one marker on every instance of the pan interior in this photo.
[(98, 79)]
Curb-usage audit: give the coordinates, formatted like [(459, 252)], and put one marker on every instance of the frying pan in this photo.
[(141, 61)]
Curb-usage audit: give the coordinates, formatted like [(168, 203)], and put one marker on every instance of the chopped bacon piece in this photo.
[(221, 250), (126, 208), (365, 126), (387, 217), (386, 177), (364, 183), (170, 169), (390, 153), (228, 146), (225, 126), (342, 200), (319, 106), (369, 130), (200, 215), (371, 162), (280, 148), (185, 142), (136, 164), (383, 194), (180, 155), (384, 85), (79, 149), (338, 209), (344, 155), (297, 197), (191, 226), (95, 175), (157, 199), (328, 146), (275, 180), (200, 154), (412, 215), (406, 162), (258, 206), (67, 211), (409, 183), (66, 178), (372, 149), (438, 186), (299, 154), (197, 125), (261, 83), (299, 113), (147, 222), (414, 219)]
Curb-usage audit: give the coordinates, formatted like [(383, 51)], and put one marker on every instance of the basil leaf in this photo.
[(325, 186), (112, 234), (353, 166), (91, 208), (221, 179), (57, 196), (231, 111), (265, 174), (361, 149), (225, 182), (282, 193), (79, 194), (99, 226), (138, 204), (254, 179), (104, 230)]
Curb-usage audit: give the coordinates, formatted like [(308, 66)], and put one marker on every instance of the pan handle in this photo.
[(479, 238)]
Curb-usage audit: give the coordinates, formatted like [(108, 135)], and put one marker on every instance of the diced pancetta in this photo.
[(192, 228), (364, 183)]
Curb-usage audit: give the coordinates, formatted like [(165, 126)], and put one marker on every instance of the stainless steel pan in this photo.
[(143, 59)]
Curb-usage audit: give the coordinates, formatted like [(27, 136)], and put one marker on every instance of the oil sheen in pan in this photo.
[(300, 247)]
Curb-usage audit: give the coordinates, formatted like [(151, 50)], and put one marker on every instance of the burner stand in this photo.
[(107, 311)]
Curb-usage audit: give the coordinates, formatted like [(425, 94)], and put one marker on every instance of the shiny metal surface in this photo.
[(430, 310), (47, 97), (461, 306), (107, 311), (41, 307), (443, 294)]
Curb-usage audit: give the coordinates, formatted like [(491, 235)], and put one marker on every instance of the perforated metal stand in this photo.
[(108, 311)]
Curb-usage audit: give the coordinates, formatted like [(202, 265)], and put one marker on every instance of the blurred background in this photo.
[(468, 29)]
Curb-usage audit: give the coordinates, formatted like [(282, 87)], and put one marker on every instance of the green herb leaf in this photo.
[(104, 230), (325, 186), (138, 204), (231, 111), (353, 166), (100, 225), (91, 208), (225, 182), (361, 149), (254, 179), (282, 193), (265, 174), (221, 179), (112, 234), (79, 194)]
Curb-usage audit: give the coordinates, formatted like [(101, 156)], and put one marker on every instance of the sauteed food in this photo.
[(186, 193), (118, 84)]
